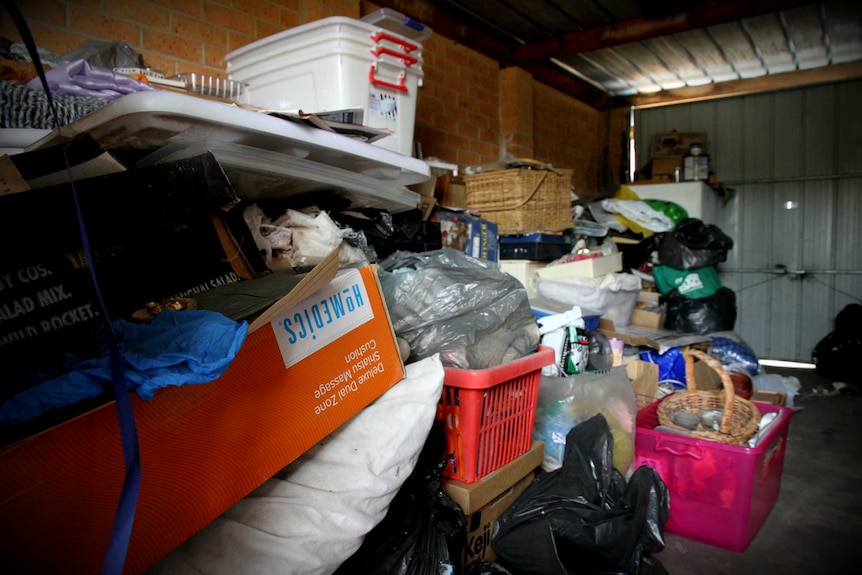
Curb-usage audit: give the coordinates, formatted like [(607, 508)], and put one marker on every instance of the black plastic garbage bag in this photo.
[(693, 244), (583, 519), (487, 568), (701, 315), (835, 356)]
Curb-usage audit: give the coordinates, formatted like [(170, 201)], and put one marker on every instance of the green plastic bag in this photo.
[(694, 284), (672, 210)]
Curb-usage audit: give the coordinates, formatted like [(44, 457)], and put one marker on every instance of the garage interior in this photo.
[(776, 85)]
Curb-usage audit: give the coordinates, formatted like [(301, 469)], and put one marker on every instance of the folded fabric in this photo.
[(79, 78), (174, 348)]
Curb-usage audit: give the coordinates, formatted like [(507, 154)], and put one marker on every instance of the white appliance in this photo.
[(697, 198)]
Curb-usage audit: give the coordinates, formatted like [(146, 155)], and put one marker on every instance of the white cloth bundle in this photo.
[(315, 513)]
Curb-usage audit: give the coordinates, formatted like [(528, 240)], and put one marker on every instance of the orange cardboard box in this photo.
[(315, 358)]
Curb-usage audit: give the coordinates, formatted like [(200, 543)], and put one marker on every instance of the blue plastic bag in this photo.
[(671, 367)]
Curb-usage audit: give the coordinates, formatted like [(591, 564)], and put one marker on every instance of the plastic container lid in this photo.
[(152, 120), (334, 32), (399, 23), (16, 140), (258, 174)]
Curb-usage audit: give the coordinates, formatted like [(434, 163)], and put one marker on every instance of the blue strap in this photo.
[(121, 532)]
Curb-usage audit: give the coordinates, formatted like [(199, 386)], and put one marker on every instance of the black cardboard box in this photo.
[(157, 232)]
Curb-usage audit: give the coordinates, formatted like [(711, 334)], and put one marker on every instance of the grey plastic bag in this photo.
[(466, 309)]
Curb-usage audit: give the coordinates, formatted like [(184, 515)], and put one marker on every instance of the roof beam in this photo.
[(490, 46), (702, 15), (448, 26), (553, 76)]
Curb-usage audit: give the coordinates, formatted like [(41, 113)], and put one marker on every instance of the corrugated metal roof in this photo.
[(656, 51)]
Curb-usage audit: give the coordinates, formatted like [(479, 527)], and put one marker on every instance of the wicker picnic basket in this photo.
[(739, 417), (522, 200)]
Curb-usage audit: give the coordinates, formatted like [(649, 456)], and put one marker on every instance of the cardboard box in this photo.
[(464, 232), (663, 168), (480, 524), (588, 268), (315, 358), (658, 339), (644, 378), (675, 143), (648, 311), (770, 397), (451, 192), (472, 496)]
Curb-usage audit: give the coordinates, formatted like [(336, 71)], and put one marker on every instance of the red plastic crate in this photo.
[(488, 414), (719, 494)]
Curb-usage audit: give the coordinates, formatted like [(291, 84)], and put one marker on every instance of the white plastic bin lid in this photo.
[(16, 140), (259, 174), (319, 32), (152, 120), (397, 22)]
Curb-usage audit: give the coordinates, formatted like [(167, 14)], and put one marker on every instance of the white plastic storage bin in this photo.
[(613, 296), (332, 65)]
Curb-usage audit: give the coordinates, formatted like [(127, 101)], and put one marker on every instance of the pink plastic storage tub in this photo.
[(488, 414), (719, 494)]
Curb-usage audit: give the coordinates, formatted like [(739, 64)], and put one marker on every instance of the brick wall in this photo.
[(569, 134), (458, 108), (457, 114)]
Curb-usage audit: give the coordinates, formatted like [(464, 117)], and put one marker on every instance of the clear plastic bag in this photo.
[(613, 296), (564, 402), (106, 54), (466, 309)]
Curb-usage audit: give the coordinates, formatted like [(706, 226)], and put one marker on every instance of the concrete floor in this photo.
[(816, 524)]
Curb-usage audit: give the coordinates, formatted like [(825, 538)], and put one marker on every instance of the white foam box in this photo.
[(525, 272), (588, 268), (332, 65)]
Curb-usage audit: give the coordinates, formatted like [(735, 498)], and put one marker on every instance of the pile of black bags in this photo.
[(688, 280)]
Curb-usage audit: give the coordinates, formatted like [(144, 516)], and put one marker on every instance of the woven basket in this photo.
[(521, 200), (740, 418)]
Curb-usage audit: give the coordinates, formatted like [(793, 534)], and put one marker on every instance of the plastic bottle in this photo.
[(577, 352), (695, 164)]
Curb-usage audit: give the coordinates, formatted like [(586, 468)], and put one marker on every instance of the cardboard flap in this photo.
[(318, 277), (474, 496), (47, 166), (658, 339)]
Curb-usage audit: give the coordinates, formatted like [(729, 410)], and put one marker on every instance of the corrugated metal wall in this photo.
[(793, 160)]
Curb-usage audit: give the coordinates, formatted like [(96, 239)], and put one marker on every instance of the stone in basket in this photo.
[(718, 415)]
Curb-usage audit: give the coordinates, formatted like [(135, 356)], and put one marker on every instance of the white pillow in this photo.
[(314, 514)]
